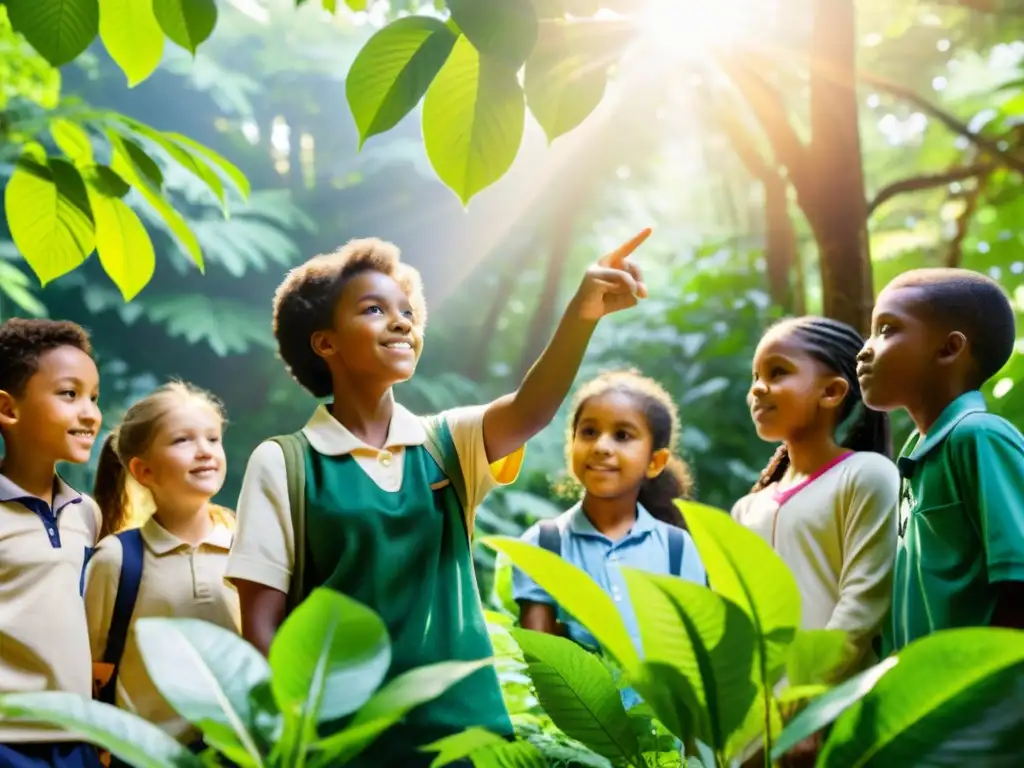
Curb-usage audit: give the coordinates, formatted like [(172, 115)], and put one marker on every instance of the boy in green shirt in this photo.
[(937, 336), (383, 523)]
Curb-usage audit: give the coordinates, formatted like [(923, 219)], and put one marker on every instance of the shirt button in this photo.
[(385, 458)]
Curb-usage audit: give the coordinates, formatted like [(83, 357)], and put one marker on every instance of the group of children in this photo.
[(387, 511)]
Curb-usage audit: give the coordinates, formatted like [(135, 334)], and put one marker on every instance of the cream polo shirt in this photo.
[(44, 645), (837, 534), (178, 580), (264, 548)]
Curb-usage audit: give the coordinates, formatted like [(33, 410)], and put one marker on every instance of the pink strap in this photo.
[(781, 497)]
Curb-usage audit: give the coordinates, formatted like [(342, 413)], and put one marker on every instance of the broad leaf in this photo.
[(123, 245), (564, 81), (58, 29), (393, 70), (461, 745), (126, 736), (815, 655), (186, 22), (131, 163), (48, 220), (72, 140), (516, 754), (503, 29), (579, 695), (202, 152), (329, 656), (102, 179), (132, 36), (827, 707), (708, 639), (473, 117), (574, 591), (943, 685), (204, 671), (389, 705), (743, 568)]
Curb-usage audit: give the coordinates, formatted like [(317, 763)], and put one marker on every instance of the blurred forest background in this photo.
[(941, 111)]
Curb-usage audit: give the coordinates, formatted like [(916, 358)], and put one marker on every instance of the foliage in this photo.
[(328, 660), (712, 659)]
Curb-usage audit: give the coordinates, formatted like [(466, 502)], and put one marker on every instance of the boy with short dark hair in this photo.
[(49, 386), (387, 521), (937, 336)]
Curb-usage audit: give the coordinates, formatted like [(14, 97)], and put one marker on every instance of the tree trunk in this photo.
[(475, 367), (834, 199), (780, 250)]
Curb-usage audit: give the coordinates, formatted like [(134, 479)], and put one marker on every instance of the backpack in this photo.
[(441, 447), (105, 672), (551, 539)]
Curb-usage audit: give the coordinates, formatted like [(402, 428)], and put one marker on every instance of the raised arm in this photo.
[(613, 284)]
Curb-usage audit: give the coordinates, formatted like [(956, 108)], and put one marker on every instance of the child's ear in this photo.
[(8, 409), (659, 459), (835, 391), (953, 347), (323, 344), (141, 471)]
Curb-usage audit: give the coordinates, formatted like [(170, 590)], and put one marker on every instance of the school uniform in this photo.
[(44, 643), (179, 580), (961, 522), (384, 527), (836, 531)]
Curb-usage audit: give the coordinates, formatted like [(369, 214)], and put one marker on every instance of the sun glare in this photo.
[(693, 28)]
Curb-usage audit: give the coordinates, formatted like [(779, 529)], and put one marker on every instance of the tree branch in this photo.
[(950, 121), (963, 222), (927, 181)]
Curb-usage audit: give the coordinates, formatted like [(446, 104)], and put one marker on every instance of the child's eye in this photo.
[(179, 440), (214, 438), (885, 329), (373, 310), (622, 436), (409, 314), (587, 432), (68, 393), (777, 372)]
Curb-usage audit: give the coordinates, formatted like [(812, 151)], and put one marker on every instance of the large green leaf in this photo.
[(816, 654), (49, 222), (943, 684), (200, 151), (473, 117), (132, 164), (504, 29), (204, 671), (485, 750), (827, 707), (389, 705), (393, 70), (72, 140), (576, 592), (708, 639), (127, 736), (186, 22), (329, 656), (132, 36), (123, 245), (743, 568), (59, 29), (578, 693), (564, 80)]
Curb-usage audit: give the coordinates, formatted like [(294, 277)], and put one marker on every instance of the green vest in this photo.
[(407, 556)]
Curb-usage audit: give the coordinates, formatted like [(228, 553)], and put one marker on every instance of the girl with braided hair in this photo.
[(827, 500)]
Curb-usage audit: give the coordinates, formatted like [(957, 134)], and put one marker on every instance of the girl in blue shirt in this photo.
[(621, 448)]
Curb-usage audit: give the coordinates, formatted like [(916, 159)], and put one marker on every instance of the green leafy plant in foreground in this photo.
[(327, 662), (713, 660)]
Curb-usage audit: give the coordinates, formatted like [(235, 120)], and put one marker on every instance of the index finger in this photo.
[(618, 256)]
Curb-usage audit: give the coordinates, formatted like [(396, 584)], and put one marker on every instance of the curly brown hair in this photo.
[(24, 341), (304, 303)]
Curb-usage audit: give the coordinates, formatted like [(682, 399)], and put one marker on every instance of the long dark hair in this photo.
[(657, 493), (834, 345)]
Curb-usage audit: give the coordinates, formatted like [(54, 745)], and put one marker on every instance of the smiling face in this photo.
[(184, 462), (56, 417), (374, 334), (791, 392), (901, 358), (612, 446)]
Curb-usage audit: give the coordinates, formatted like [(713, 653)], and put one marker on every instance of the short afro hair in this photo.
[(24, 341), (305, 301), (972, 303)]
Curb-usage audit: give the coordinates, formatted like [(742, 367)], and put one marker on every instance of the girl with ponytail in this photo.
[(827, 500)]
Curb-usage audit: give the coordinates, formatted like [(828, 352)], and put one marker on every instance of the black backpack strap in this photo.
[(676, 544), (550, 537), (128, 583)]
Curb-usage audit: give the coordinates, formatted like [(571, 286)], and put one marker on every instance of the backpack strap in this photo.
[(441, 447), (293, 447), (550, 537), (128, 583), (676, 544)]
